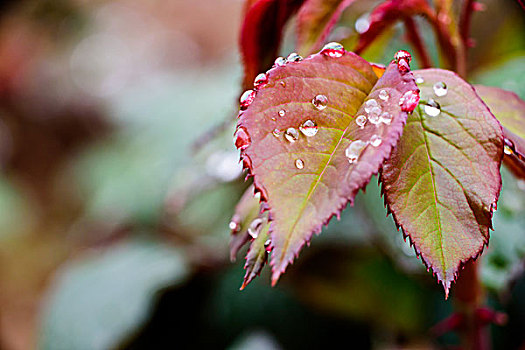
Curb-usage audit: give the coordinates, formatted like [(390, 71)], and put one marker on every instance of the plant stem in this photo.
[(414, 37)]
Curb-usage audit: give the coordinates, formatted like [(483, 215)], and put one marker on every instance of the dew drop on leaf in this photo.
[(375, 140), (279, 62), (333, 50), (370, 104), (403, 59), (360, 120), (246, 99), (432, 108), (294, 57), (353, 151), (507, 150), (309, 128), (255, 227), (383, 95), (260, 80), (386, 118), (419, 79), (234, 224), (374, 115), (409, 101), (276, 132), (268, 245), (283, 84), (282, 113), (242, 139), (440, 89), (320, 102), (291, 134), (299, 164)]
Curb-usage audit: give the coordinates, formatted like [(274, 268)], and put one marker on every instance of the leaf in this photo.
[(442, 181), (261, 33), (388, 13), (308, 181), (257, 254), (510, 111), (247, 210), (315, 20)]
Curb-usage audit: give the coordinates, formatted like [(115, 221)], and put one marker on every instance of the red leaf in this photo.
[(308, 154), (257, 255)]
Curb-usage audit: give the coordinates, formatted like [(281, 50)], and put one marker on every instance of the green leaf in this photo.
[(442, 181), (308, 176)]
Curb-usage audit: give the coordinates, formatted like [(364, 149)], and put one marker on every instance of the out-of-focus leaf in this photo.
[(442, 181), (247, 210), (257, 254), (507, 74), (315, 21), (301, 139), (510, 111), (261, 34), (96, 302)]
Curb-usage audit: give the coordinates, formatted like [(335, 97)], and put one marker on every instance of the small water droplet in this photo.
[(403, 59), (276, 132), (362, 24), (260, 80), (279, 62), (419, 79), (242, 139), (320, 102), (246, 99), (386, 118), (333, 50), (374, 115), (440, 89), (375, 140), (294, 57), (360, 120), (309, 128), (291, 134), (383, 95), (354, 150), (508, 151), (370, 104), (255, 227), (409, 101), (234, 224), (281, 113), (299, 164), (268, 245), (283, 84), (432, 108), (274, 119)]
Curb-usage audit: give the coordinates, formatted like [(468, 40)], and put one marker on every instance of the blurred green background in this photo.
[(119, 178)]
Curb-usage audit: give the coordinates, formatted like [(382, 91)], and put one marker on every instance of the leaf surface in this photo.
[(257, 255), (442, 181), (247, 210), (315, 20), (307, 181)]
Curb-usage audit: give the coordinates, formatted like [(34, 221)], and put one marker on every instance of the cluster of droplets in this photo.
[(374, 112)]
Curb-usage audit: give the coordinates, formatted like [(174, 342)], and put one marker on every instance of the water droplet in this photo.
[(260, 80), (403, 59), (374, 115), (370, 104), (309, 128), (234, 224), (508, 151), (440, 89), (375, 140), (246, 99), (299, 164), (419, 79), (294, 57), (362, 24), (268, 245), (432, 108), (354, 150), (360, 120), (255, 227), (386, 118), (291, 134), (281, 113), (279, 62), (242, 139), (283, 84), (320, 102), (276, 132), (383, 95), (409, 101), (333, 50)]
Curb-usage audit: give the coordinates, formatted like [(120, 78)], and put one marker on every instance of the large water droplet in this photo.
[(403, 59), (440, 89), (309, 128), (362, 24), (279, 62), (333, 50), (246, 99), (260, 80), (255, 227), (354, 150), (242, 139), (386, 118), (375, 140), (291, 134), (294, 57), (276, 132), (409, 101), (432, 108), (282, 113), (419, 79), (360, 120), (299, 164), (383, 95), (370, 104), (320, 102)]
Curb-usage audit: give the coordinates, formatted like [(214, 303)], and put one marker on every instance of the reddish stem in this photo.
[(464, 21), (414, 37)]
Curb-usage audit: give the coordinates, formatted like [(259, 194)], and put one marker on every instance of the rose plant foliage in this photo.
[(313, 131)]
